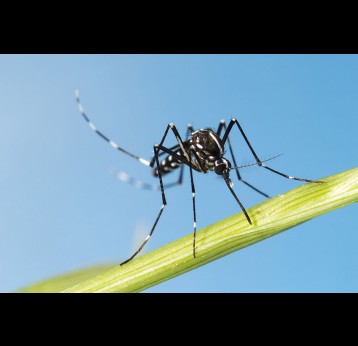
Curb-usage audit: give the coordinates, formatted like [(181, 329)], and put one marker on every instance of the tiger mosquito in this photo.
[(202, 151)]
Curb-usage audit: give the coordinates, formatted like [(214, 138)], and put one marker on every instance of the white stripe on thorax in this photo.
[(217, 142)]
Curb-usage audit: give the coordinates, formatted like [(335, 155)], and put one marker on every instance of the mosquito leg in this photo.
[(99, 133), (193, 196), (178, 138), (222, 125), (139, 184), (183, 158), (181, 173), (229, 185), (164, 203), (259, 162)]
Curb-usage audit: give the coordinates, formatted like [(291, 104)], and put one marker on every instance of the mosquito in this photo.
[(202, 151)]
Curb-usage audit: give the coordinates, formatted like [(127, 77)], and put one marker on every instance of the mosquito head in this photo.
[(222, 167)]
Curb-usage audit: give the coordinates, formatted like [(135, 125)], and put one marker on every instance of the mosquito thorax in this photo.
[(207, 142), (208, 148)]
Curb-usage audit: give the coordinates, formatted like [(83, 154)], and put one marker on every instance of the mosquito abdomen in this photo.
[(169, 164)]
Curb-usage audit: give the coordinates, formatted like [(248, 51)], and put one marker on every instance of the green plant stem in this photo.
[(222, 238), (61, 282)]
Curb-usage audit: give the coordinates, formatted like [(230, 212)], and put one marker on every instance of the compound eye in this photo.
[(220, 167)]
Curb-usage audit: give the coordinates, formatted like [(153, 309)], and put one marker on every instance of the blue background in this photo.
[(62, 208)]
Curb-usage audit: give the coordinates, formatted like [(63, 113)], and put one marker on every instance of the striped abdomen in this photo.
[(169, 164)]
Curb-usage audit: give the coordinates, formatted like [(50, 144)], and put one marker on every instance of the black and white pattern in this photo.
[(202, 151)]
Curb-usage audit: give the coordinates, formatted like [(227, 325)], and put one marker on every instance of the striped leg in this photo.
[(222, 125), (99, 133), (145, 186), (164, 203), (259, 162), (193, 196), (179, 140), (157, 149)]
